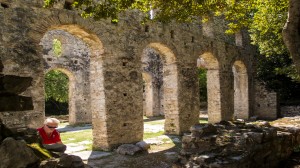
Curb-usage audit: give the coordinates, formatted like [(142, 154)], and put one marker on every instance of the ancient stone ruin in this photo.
[(119, 72)]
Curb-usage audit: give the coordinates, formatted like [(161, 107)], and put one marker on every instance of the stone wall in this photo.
[(266, 103), (104, 62), (21, 67)]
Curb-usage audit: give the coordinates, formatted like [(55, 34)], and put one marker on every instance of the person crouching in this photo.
[(50, 137)]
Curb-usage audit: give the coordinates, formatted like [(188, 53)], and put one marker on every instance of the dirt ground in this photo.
[(144, 160)]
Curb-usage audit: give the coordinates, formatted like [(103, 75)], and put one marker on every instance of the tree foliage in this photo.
[(268, 22), (57, 47), (276, 72), (202, 72), (56, 86)]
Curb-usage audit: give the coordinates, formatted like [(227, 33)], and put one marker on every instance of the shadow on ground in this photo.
[(160, 157)]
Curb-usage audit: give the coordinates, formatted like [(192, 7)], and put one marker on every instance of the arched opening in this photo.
[(71, 55), (56, 93), (202, 80), (153, 83), (208, 61), (89, 103), (160, 85), (241, 96)]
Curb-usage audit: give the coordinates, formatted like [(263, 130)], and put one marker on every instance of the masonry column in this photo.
[(118, 108), (98, 105), (213, 96), (188, 96), (227, 95)]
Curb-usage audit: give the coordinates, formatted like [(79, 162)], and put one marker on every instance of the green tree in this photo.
[(202, 84), (56, 86), (276, 72), (267, 25)]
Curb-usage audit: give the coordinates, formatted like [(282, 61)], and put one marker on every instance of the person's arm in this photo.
[(59, 142), (40, 137), (58, 139)]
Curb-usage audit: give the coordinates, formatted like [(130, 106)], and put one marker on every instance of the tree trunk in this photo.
[(291, 32)]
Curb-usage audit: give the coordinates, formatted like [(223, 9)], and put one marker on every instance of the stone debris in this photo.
[(128, 149), (14, 153), (143, 145), (238, 145)]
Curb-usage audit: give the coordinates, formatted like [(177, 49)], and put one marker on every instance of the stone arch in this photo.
[(72, 81), (241, 95), (73, 59), (82, 28), (211, 63), (96, 79), (169, 91)]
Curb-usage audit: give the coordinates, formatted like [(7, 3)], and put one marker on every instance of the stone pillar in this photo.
[(220, 96), (213, 96), (226, 93), (241, 96), (117, 103), (188, 98), (147, 95), (98, 105), (81, 99), (171, 99)]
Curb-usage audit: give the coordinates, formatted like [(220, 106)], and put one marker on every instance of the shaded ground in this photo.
[(163, 159), (162, 154), (294, 159)]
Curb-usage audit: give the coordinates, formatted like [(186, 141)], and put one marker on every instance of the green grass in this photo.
[(156, 122), (77, 137), (203, 121), (148, 135)]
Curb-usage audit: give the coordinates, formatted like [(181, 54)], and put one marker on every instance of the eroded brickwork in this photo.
[(105, 61)]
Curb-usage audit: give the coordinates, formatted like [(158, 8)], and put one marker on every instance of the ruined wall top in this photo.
[(213, 29)]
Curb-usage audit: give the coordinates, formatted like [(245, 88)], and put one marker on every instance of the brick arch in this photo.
[(168, 55), (169, 92), (211, 63), (241, 90), (63, 20)]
